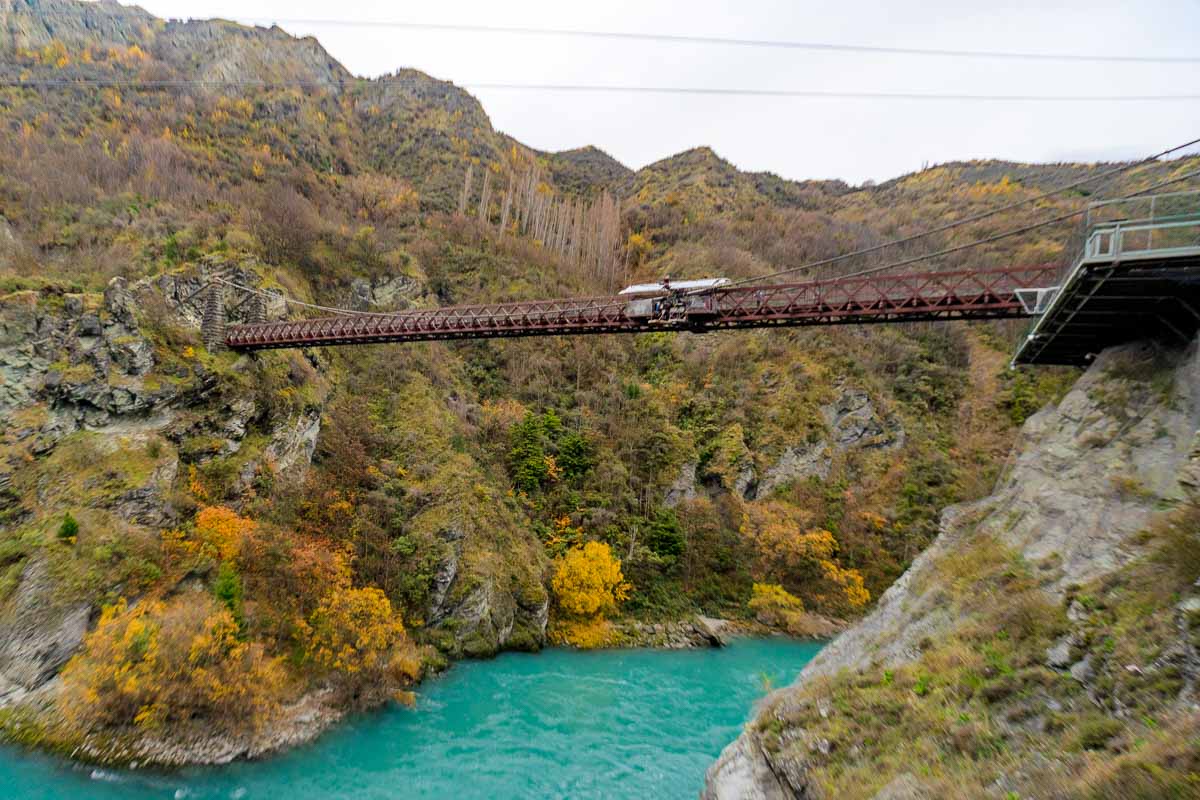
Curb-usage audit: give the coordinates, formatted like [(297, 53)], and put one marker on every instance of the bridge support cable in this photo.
[(896, 264)]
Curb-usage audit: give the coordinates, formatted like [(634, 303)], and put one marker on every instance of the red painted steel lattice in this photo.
[(983, 294)]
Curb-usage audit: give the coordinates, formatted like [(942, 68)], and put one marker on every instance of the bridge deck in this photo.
[(984, 294)]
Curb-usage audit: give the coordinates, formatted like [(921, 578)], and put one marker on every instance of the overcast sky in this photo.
[(854, 140)]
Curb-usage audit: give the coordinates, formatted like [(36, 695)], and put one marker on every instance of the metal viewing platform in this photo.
[(1136, 275)]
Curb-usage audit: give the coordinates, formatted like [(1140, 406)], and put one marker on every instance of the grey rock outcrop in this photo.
[(852, 422), (743, 772), (293, 442), (484, 613), (38, 634), (684, 486), (392, 293), (797, 463), (1086, 477)]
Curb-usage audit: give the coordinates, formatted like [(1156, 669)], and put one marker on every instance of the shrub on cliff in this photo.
[(170, 662), (69, 528), (218, 536), (356, 632)]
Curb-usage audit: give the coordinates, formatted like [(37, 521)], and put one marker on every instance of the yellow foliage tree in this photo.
[(356, 632), (588, 581), (170, 662), (802, 556), (850, 581), (775, 606), (588, 585), (636, 248)]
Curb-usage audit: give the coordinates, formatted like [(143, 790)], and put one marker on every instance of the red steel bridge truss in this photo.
[(966, 294)]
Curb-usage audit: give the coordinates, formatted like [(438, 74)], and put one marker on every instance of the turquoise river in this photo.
[(559, 724)]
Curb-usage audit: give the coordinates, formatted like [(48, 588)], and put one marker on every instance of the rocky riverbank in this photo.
[(701, 631)]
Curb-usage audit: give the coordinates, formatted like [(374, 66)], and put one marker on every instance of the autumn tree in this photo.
[(801, 557), (288, 575), (220, 532), (287, 223), (381, 199), (169, 662), (775, 606), (588, 585), (356, 632)]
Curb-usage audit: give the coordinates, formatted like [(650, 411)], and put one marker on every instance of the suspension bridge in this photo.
[(1133, 272)]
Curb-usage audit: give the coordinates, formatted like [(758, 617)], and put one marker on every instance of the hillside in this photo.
[(191, 542), (1046, 643)]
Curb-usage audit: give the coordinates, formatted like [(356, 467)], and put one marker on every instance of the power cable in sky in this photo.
[(989, 239), (673, 38)]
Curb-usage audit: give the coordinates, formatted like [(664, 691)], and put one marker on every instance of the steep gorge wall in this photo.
[(1087, 477)]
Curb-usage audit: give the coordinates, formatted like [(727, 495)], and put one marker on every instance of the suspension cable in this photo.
[(355, 312), (965, 221), (1012, 232), (873, 270)]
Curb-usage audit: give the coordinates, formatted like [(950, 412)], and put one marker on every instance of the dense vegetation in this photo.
[(640, 476)]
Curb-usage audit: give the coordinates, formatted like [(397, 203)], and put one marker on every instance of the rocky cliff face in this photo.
[(100, 419), (112, 410), (1070, 516)]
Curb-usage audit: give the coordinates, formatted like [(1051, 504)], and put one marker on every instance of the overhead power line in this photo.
[(958, 223), (817, 94), (185, 83), (687, 39), (779, 44)]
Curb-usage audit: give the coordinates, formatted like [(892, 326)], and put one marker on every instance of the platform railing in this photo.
[(1139, 227), (1144, 240)]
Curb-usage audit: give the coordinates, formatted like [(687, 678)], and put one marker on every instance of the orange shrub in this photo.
[(220, 532)]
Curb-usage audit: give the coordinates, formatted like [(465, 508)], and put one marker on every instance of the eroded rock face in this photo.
[(89, 365), (797, 463), (292, 444), (1086, 477), (684, 487), (479, 607), (742, 772), (392, 293), (852, 422), (38, 634)]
